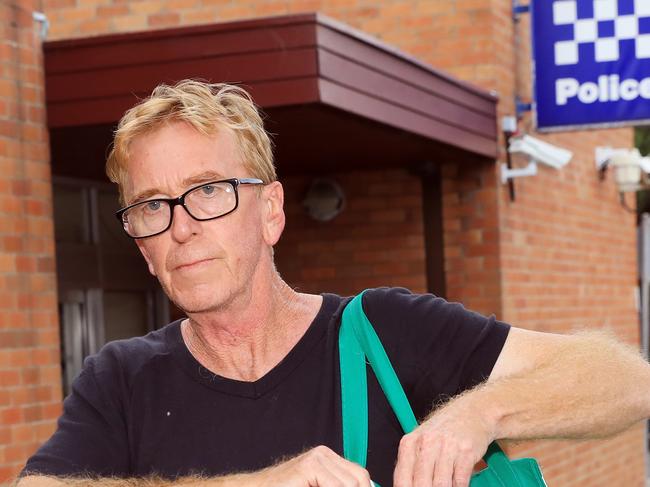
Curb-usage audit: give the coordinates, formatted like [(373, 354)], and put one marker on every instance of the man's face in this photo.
[(202, 265)]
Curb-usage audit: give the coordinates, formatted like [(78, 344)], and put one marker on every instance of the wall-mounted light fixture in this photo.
[(324, 200), (631, 171)]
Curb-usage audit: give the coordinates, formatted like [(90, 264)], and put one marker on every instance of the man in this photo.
[(245, 391)]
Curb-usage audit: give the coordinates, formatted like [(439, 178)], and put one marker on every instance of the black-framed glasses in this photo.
[(205, 202)]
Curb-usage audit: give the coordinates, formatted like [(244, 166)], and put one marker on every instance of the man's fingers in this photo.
[(335, 471), (347, 473), (463, 473), (406, 458), (426, 461), (318, 467), (444, 468), (324, 477)]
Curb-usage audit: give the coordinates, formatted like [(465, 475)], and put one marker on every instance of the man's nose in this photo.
[(183, 225)]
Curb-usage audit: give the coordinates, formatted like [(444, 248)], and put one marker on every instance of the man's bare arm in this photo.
[(319, 466), (46, 481), (587, 385), (543, 386)]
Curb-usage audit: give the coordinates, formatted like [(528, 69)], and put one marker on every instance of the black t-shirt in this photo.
[(145, 406)]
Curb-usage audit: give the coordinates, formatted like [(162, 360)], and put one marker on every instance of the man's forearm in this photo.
[(591, 387), (318, 466), (238, 480)]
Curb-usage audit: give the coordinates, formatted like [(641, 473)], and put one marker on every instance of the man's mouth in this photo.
[(193, 264)]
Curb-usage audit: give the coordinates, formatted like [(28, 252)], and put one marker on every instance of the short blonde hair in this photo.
[(206, 106)]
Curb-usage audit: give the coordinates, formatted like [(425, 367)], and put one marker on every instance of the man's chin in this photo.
[(202, 302)]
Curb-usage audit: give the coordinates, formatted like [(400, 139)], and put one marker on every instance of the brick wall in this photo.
[(471, 237), (376, 241), (562, 256), (30, 376), (568, 262)]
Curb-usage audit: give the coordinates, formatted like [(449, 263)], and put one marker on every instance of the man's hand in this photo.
[(319, 466), (443, 450)]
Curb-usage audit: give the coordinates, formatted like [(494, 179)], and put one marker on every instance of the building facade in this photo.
[(562, 256)]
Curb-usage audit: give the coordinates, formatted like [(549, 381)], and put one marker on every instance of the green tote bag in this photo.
[(358, 341)]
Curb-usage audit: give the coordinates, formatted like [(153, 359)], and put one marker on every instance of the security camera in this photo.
[(539, 151)]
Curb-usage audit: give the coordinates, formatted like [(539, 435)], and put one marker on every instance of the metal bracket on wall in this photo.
[(518, 9), (45, 23), (507, 174), (522, 107)]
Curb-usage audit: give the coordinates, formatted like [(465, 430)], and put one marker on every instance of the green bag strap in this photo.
[(354, 394), (365, 336), (355, 327)]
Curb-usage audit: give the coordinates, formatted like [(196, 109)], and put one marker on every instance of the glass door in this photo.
[(82, 331), (105, 290)]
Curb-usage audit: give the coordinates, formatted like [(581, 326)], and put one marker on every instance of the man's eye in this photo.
[(153, 205), (208, 190)]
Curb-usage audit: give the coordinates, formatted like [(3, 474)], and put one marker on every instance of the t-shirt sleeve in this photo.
[(90, 438), (438, 348)]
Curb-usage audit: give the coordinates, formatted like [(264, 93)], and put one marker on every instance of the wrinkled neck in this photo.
[(245, 342)]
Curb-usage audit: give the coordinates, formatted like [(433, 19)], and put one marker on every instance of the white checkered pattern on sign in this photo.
[(586, 30), (565, 12), (625, 27), (606, 50), (566, 52), (605, 9), (643, 46), (642, 8)]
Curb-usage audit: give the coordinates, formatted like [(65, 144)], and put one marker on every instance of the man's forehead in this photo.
[(177, 156), (183, 137)]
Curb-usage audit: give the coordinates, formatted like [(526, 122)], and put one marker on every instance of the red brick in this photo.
[(21, 434), (5, 435), (9, 377), (8, 473), (30, 376), (165, 19), (9, 129), (46, 264), (94, 25), (25, 263), (5, 397), (183, 5), (112, 10), (32, 413), (11, 415), (19, 358), (51, 410)]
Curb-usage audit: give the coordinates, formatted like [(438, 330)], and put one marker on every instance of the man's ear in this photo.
[(273, 217), (145, 254)]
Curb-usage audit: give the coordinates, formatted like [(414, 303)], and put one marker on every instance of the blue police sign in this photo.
[(591, 62)]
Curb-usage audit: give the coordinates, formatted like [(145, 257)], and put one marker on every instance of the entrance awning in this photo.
[(335, 97)]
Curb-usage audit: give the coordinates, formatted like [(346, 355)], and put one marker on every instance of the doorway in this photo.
[(105, 290)]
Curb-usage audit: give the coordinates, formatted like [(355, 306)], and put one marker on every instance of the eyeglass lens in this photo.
[(203, 203)]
